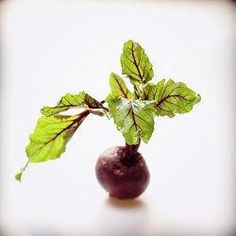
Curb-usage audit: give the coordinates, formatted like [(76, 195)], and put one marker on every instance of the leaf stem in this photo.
[(105, 108), (25, 166), (134, 147)]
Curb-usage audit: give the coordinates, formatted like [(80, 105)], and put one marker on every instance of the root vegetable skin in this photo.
[(122, 172)]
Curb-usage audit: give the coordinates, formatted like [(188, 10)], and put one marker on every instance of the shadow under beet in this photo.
[(123, 217)]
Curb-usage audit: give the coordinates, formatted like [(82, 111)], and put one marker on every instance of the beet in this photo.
[(122, 172)]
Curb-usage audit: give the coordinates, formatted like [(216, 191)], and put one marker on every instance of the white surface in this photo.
[(54, 47)]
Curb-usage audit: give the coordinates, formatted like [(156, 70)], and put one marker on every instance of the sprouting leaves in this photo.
[(53, 131), (135, 63), (134, 115), (135, 119), (133, 112), (171, 97)]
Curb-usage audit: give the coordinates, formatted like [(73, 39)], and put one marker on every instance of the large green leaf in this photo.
[(81, 99), (135, 63), (49, 139), (171, 97), (118, 86), (135, 119)]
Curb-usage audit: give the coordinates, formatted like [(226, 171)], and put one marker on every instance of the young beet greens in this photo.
[(121, 170)]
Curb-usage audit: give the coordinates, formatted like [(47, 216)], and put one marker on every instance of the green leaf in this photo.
[(171, 97), (81, 99), (135, 63), (49, 139), (19, 174), (135, 119), (51, 135), (119, 87)]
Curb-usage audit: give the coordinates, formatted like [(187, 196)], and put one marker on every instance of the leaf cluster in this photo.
[(133, 112)]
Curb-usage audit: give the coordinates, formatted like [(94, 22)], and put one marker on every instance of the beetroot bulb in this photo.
[(120, 170)]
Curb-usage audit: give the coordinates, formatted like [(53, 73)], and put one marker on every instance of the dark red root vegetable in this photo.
[(122, 172)]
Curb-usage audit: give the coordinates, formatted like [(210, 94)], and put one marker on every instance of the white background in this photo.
[(54, 47)]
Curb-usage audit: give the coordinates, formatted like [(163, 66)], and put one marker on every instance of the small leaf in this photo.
[(135, 63), (171, 97), (135, 119), (22, 170), (51, 135), (81, 99), (119, 87), (18, 176)]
